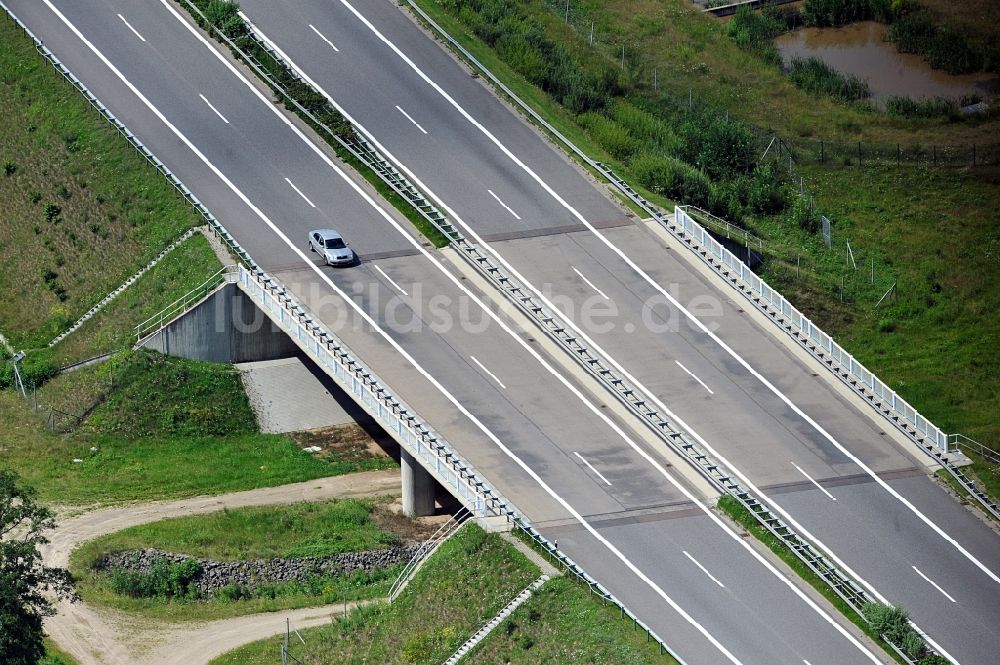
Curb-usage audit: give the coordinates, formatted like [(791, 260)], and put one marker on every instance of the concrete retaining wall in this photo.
[(225, 327)]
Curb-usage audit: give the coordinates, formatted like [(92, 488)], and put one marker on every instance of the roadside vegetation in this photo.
[(150, 422), (82, 210), (467, 581), (297, 531), (563, 623), (871, 623)]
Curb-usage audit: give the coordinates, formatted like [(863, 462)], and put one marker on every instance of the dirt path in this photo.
[(112, 638)]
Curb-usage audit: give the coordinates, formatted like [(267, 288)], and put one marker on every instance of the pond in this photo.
[(862, 49)]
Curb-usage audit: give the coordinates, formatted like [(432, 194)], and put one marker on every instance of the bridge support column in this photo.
[(418, 487)]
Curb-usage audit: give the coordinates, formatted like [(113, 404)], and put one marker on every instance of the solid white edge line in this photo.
[(509, 209), (360, 311), (410, 118), (691, 374), (298, 70), (131, 28), (680, 307), (813, 481), (703, 569), (589, 283), (483, 367), (391, 280), (323, 37), (299, 191), (205, 99), (935, 585), (591, 467)]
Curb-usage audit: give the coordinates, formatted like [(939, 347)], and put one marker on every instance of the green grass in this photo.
[(153, 433), (469, 579), (742, 516), (982, 470), (115, 212), (292, 531), (56, 656), (113, 328), (563, 623)]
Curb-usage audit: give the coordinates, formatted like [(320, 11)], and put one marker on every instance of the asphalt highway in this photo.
[(523, 421), (764, 410)]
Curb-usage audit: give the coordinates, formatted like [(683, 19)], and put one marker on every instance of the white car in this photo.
[(331, 246)]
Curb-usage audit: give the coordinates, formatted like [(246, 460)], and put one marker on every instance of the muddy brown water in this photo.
[(862, 49)]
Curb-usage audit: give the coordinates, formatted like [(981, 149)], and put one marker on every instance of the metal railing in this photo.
[(426, 549), (226, 274), (962, 441)]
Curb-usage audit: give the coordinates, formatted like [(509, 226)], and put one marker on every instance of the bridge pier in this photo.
[(418, 487)]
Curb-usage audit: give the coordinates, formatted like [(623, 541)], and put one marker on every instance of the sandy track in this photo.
[(111, 638)]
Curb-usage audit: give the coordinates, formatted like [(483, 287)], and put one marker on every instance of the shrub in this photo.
[(219, 12), (9, 168), (756, 32), (51, 212), (672, 178), (163, 579), (765, 193), (722, 147), (815, 76), (645, 127), (802, 215), (610, 135)]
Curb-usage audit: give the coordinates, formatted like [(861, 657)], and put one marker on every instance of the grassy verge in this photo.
[(294, 531), (562, 623), (154, 421), (82, 211), (113, 328), (742, 516), (982, 470), (467, 581)]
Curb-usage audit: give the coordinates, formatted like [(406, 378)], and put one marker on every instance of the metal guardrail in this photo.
[(226, 274), (723, 226), (426, 549)]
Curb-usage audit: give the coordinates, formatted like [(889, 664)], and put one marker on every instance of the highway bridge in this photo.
[(585, 470)]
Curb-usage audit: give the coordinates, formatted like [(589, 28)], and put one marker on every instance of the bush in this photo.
[(823, 13), (815, 76), (220, 12), (610, 135), (894, 624), (722, 147), (765, 194), (164, 579), (672, 178), (36, 368), (755, 32), (802, 215), (645, 127)]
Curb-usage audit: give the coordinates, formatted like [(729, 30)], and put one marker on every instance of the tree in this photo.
[(24, 580)]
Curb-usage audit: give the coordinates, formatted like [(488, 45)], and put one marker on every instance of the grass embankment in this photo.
[(742, 516), (295, 531), (154, 430), (563, 623), (469, 579), (464, 584), (932, 230), (82, 210), (113, 328)]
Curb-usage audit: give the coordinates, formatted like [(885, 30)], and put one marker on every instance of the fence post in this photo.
[(822, 152), (859, 154), (973, 154)]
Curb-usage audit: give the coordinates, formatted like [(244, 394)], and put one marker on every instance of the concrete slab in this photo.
[(287, 396)]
